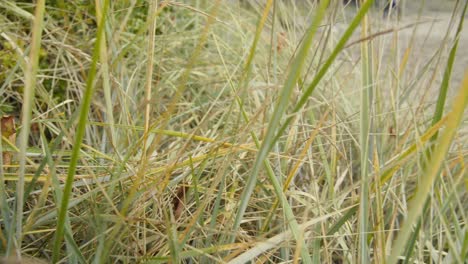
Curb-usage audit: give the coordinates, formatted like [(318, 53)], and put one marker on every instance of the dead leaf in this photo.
[(179, 201), (9, 132)]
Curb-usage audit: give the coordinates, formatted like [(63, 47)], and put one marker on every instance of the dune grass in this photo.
[(230, 131)]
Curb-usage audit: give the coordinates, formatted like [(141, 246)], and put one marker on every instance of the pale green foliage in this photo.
[(217, 131)]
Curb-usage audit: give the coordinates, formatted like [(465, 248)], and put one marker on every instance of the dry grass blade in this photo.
[(32, 66), (432, 170), (242, 131), (264, 246)]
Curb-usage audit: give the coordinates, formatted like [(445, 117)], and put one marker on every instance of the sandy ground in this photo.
[(436, 32), (423, 33)]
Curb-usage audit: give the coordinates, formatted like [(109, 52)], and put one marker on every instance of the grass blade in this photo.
[(268, 141), (436, 118), (365, 140), (106, 82), (432, 170), (324, 69), (80, 131), (444, 86), (274, 241), (30, 85)]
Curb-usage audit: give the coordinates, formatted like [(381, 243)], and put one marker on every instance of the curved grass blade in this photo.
[(269, 137), (284, 97), (437, 117), (323, 70), (431, 171), (295, 169), (448, 73)]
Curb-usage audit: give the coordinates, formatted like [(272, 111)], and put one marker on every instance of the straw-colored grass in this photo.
[(230, 132)]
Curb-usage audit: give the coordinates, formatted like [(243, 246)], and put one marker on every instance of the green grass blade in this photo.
[(48, 155), (268, 141), (261, 23), (326, 66), (365, 140), (436, 118), (431, 171), (464, 249), (80, 131), (439, 111), (335, 227), (5, 210), (180, 110), (278, 113), (412, 240)]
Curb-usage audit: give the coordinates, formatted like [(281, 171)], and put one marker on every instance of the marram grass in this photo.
[(232, 132), (80, 132)]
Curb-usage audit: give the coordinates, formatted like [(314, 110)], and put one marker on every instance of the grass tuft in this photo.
[(233, 132)]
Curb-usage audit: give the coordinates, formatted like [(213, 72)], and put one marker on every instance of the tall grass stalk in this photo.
[(32, 66), (106, 80), (444, 86), (266, 145), (151, 44), (250, 183), (364, 139), (432, 170), (161, 122), (438, 113), (212, 102), (80, 131), (149, 72), (326, 66), (294, 170)]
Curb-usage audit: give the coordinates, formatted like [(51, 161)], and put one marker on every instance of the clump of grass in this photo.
[(230, 132)]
